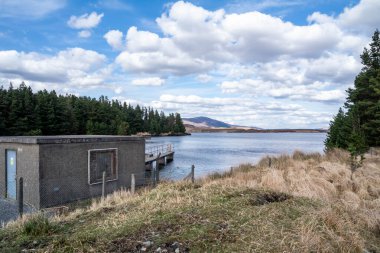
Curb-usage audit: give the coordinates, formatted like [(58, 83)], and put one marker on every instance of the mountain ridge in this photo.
[(209, 125), (202, 121)]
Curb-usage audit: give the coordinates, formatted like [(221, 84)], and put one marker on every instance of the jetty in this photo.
[(163, 154)]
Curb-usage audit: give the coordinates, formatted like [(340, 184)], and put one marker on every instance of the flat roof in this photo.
[(61, 139)]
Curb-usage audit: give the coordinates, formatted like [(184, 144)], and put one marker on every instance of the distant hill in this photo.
[(205, 122), (208, 125)]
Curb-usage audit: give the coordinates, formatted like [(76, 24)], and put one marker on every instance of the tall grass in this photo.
[(321, 207)]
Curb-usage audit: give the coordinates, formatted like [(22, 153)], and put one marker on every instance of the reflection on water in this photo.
[(212, 152)]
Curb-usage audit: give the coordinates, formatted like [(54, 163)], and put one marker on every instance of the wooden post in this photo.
[(156, 170), (270, 162), (154, 175), (192, 173), (158, 174), (104, 185), (231, 170), (21, 197), (133, 183)]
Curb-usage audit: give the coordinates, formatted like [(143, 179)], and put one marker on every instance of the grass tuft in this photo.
[(38, 225)]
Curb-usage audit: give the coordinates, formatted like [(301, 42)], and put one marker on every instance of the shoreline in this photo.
[(146, 135), (258, 131)]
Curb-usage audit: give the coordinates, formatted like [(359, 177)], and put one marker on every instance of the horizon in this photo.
[(265, 63)]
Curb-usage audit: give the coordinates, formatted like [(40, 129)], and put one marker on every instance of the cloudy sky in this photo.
[(265, 63)]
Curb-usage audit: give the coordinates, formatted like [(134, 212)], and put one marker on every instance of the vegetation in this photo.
[(23, 112), (358, 128), (301, 203)]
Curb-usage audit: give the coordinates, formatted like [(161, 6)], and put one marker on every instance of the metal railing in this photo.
[(163, 149)]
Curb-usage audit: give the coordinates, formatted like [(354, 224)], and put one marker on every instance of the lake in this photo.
[(217, 152)]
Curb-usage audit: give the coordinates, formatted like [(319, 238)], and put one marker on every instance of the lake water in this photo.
[(217, 152)]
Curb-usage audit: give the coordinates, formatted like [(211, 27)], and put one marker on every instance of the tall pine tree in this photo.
[(365, 96), (23, 112), (359, 127)]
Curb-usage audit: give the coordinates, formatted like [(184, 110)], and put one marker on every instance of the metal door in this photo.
[(11, 174)]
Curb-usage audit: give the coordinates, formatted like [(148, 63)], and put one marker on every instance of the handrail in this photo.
[(163, 149)]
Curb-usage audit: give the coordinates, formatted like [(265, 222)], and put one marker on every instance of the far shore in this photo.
[(231, 130), (252, 130)]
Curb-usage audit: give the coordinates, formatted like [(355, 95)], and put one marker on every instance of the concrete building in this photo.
[(60, 169)]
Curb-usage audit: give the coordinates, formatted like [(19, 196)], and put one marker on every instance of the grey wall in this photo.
[(27, 167), (64, 170)]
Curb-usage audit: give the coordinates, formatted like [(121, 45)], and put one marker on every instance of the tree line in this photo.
[(356, 127), (23, 112)]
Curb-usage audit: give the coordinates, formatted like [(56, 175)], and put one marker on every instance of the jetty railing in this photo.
[(163, 149)]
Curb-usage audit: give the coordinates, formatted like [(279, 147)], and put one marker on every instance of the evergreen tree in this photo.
[(338, 132), (179, 127), (365, 96), (359, 128), (3, 110), (23, 112)]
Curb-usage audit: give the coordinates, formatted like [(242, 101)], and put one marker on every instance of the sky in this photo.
[(262, 63)]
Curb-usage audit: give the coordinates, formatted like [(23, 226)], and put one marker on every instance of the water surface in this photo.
[(217, 152)]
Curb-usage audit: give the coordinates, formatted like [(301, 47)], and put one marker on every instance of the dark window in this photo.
[(100, 160)]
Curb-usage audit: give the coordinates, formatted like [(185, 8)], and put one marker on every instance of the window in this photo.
[(100, 160)]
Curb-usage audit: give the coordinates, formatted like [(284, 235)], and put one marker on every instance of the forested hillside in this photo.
[(23, 112)]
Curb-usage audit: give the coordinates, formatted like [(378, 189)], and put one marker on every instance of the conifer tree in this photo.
[(23, 112), (359, 127), (365, 96)]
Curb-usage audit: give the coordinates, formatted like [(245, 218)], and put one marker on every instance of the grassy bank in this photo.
[(302, 203)]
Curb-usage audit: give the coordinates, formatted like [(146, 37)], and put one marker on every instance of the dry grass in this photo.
[(301, 203)]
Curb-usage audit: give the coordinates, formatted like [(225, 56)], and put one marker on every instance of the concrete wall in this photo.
[(27, 167), (64, 170)]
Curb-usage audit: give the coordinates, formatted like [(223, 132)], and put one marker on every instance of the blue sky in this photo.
[(265, 63)]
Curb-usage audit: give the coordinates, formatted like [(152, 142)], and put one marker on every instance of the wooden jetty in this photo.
[(163, 153)]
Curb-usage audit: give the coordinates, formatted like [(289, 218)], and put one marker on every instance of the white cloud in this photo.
[(243, 111), (85, 21), (118, 90), (115, 39), (204, 78), (252, 54), (300, 79), (127, 100), (258, 88), (330, 95), (196, 40), (255, 57), (364, 15), (147, 53), (84, 34), (75, 67), (150, 81), (29, 9)]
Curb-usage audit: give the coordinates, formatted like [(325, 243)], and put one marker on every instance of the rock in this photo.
[(143, 249), (158, 249), (147, 244), (177, 250), (35, 242)]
